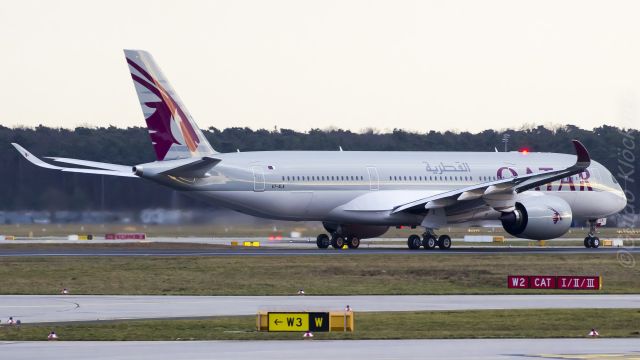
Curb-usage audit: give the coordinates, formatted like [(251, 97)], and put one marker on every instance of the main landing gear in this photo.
[(429, 241), (592, 241), (337, 241)]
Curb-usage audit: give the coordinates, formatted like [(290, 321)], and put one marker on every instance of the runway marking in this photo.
[(626, 356)]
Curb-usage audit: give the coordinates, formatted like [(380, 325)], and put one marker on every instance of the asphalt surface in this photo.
[(311, 349), (90, 250), (64, 308)]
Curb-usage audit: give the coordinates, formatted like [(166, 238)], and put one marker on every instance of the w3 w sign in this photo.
[(290, 321), (554, 282)]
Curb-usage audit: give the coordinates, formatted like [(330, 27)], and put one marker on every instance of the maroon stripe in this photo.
[(140, 69), (150, 87)]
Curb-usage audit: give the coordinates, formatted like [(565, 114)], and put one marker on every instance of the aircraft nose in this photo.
[(619, 200), (623, 200)]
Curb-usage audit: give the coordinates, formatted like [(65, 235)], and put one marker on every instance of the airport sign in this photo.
[(298, 321), (554, 282)]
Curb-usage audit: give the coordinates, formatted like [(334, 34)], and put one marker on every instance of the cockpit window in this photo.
[(614, 179)]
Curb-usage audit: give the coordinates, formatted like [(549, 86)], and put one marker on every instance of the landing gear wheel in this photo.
[(337, 242), (323, 241), (353, 243), (414, 242), (592, 242), (429, 242), (444, 242)]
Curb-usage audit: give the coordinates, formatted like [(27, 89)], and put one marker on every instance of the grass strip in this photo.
[(564, 323), (318, 275)]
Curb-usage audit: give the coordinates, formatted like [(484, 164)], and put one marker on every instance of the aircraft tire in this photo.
[(353, 243), (414, 242), (429, 242), (587, 242), (323, 241), (444, 242), (337, 242), (595, 242)]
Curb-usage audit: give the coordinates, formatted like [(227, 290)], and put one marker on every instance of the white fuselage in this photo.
[(337, 185)]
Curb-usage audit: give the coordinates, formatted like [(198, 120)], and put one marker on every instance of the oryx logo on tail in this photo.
[(173, 132)]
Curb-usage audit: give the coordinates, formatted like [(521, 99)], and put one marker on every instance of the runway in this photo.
[(64, 308), (483, 349), (98, 250)]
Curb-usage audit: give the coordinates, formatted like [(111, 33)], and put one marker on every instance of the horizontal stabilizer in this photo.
[(195, 169)]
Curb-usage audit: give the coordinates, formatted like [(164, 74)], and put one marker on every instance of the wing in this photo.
[(499, 194), (93, 164), (99, 168)]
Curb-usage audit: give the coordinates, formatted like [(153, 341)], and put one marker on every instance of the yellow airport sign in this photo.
[(300, 321)]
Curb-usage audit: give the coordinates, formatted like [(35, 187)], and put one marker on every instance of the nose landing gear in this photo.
[(592, 241)]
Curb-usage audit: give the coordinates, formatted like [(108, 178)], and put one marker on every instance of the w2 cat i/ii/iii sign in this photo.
[(291, 321), (554, 282)]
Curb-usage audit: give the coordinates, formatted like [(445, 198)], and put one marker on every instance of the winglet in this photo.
[(583, 159), (34, 159)]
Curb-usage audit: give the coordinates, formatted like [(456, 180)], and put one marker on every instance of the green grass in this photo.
[(317, 275), (571, 323)]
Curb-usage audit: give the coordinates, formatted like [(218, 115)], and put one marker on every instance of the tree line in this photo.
[(24, 186)]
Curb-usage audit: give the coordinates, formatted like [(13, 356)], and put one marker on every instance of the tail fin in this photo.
[(173, 132)]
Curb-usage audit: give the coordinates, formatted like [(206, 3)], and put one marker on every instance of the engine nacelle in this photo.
[(538, 218), (356, 230)]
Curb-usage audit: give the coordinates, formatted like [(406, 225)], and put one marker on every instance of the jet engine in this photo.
[(538, 218), (356, 230)]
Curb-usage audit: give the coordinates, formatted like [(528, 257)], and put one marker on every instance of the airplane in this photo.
[(360, 194)]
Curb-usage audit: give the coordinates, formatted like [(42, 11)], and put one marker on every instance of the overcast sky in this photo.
[(417, 65)]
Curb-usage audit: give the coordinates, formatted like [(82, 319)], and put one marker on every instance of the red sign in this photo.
[(518, 282), (125, 236), (542, 282), (554, 282), (579, 282)]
